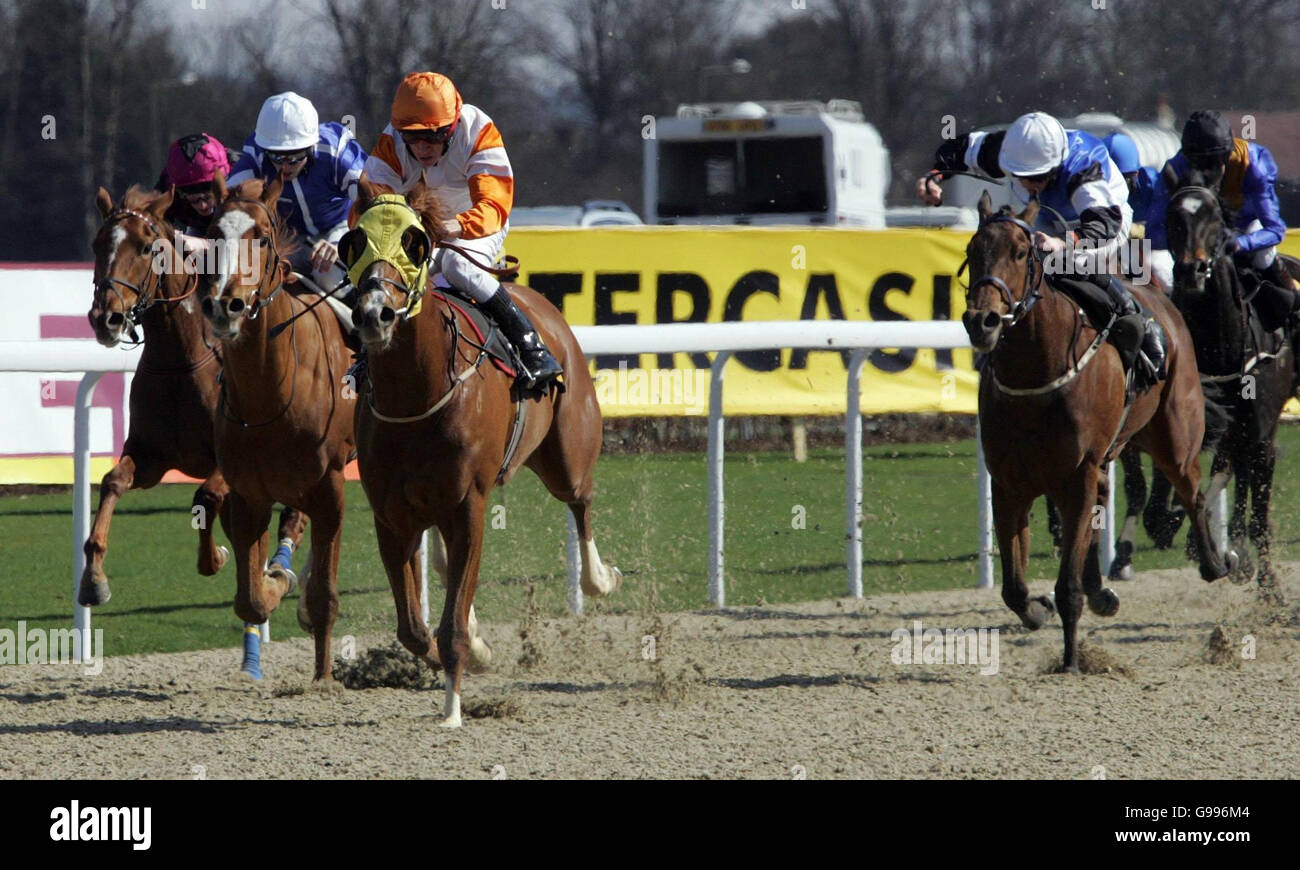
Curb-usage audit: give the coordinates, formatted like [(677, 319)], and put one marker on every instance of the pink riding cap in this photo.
[(195, 159)]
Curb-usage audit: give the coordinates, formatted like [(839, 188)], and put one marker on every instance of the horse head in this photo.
[(249, 244), (127, 270), (1002, 256), (1197, 232), (387, 257)]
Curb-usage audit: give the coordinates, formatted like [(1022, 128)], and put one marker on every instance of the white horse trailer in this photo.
[(765, 163)]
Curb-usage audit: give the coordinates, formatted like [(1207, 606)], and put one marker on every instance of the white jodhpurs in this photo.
[(459, 273)]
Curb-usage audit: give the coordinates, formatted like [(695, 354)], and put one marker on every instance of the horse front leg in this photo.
[(1102, 600), (205, 510), (1076, 504), (1011, 525), (322, 593), (397, 550), (1135, 498), (1264, 458), (248, 521), (94, 589), (464, 536)]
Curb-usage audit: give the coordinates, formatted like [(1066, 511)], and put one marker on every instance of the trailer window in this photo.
[(742, 176)]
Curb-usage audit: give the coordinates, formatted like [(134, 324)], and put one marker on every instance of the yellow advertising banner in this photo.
[(649, 275)]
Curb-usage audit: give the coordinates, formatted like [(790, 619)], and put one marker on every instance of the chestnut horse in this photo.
[(1052, 414), (433, 427), (284, 419), (141, 280)]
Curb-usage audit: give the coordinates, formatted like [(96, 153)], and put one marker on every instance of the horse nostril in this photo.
[(208, 306), (234, 306), (991, 320), (114, 318), (387, 315)]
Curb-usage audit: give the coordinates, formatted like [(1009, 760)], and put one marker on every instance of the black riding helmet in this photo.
[(1206, 136)]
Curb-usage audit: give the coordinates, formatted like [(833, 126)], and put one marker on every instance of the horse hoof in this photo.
[(276, 573), (1240, 571), (223, 556), (1037, 612), (93, 591), (304, 616), (480, 656), (1104, 603), (614, 579), (1121, 572), (450, 722)]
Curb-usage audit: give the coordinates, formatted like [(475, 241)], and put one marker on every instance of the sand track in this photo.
[(776, 692)]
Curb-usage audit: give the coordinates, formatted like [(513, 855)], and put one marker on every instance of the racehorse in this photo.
[(283, 428), (1252, 370), (141, 281), (1053, 411), (439, 425)]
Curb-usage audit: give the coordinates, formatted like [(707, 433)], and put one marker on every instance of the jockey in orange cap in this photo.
[(458, 152)]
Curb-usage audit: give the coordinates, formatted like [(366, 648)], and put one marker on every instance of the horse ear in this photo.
[(219, 188), (104, 202), (272, 190), (158, 208), (366, 191), (985, 206), (1030, 214)]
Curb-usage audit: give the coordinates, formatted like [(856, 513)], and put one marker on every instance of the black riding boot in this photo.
[(1276, 300), (538, 364)]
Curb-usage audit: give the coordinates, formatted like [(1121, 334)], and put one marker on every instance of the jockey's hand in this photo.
[(1048, 244), (324, 255), (928, 189), (448, 229)]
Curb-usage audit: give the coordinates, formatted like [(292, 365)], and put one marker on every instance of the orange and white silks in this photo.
[(474, 176)]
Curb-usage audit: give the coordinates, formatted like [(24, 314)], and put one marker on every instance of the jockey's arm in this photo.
[(1105, 218), (974, 152), (1260, 193)]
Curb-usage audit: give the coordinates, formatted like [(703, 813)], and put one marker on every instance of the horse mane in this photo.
[(429, 206), (138, 198)]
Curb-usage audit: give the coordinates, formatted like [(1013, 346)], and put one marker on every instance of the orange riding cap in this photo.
[(425, 101)]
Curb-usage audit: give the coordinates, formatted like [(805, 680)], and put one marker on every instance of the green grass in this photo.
[(650, 520)]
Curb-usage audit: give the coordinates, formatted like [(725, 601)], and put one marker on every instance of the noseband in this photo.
[(1019, 308)]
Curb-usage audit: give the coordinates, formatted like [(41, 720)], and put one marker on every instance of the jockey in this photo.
[(1075, 181), (192, 164), (1243, 174), (320, 165), (1141, 180), (458, 151)]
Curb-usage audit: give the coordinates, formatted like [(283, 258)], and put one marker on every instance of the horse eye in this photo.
[(1021, 254)]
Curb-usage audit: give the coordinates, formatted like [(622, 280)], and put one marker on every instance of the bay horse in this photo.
[(1053, 412), (1253, 378), (141, 280), (283, 429), (434, 427)]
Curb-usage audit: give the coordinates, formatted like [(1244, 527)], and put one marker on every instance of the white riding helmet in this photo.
[(287, 122), (1034, 144)]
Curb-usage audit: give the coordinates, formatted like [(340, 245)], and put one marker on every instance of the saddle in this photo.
[(1142, 354)]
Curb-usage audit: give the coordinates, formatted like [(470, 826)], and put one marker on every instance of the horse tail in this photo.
[(1218, 400)]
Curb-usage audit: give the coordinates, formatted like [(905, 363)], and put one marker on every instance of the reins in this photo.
[(143, 301)]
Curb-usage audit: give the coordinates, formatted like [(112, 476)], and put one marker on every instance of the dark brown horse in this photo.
[(433, 427), (1052, 413), (283, 427), (141, 281), (1240, 361)]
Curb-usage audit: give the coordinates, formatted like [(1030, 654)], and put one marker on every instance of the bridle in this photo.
[(133, 313), (256, 301), (1201, 269), (1033, 284)]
